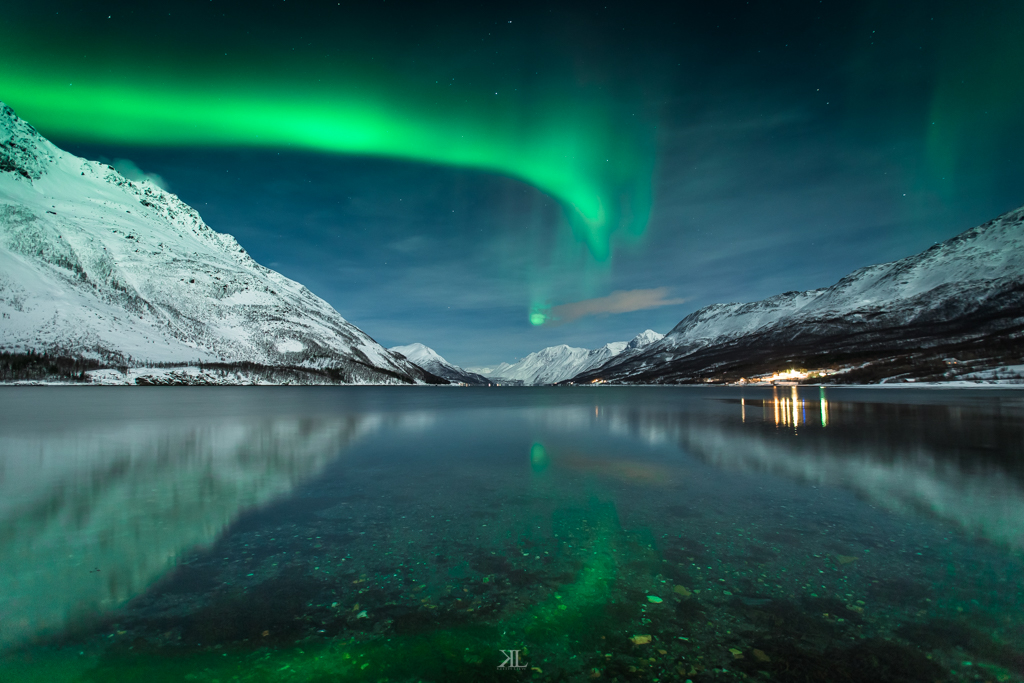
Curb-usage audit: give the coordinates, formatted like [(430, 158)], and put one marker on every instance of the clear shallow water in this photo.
[(369, 534)]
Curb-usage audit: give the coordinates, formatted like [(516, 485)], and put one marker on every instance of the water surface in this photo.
[(423, 534)]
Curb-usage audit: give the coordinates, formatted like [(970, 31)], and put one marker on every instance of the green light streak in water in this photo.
[(552, 630), (570, 146), (538, 457), (458, 648)]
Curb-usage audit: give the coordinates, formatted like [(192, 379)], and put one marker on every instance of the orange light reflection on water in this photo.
[(791, 411), (795, 399)]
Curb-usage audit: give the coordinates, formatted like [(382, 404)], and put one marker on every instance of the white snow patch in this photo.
[(290, 346)]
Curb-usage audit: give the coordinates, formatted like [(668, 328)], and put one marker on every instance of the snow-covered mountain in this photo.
[(558, 363), (964, 296), (94, 265), (640, 342), (432, 362)]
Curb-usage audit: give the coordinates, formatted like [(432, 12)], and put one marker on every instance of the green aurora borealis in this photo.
[(570, 140), (525, 156)]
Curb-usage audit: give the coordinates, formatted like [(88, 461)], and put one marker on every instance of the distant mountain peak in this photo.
[(555, 364), (645, 338), (431, 361), (416, 352)]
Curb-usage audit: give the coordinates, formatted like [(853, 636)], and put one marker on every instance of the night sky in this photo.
[(472, 176)]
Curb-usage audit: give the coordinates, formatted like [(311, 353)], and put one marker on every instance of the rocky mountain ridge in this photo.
[(958, 303), (95, 266)]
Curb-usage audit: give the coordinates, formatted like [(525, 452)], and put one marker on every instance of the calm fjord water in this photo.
[(436, 534)]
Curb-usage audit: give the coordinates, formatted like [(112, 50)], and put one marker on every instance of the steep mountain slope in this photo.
[(963, 297), (557, 363), (432, 362), (93, 265)]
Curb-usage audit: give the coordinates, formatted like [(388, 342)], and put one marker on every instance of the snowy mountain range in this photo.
[(428, 359), (959, 303), (558, 363), (95, 266)]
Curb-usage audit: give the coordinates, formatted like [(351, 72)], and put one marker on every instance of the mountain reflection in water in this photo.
[(91, 514), (960, 463), (615, 533)]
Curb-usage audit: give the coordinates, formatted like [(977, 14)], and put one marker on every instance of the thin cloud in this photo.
[(130, 170), (616, 302)]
